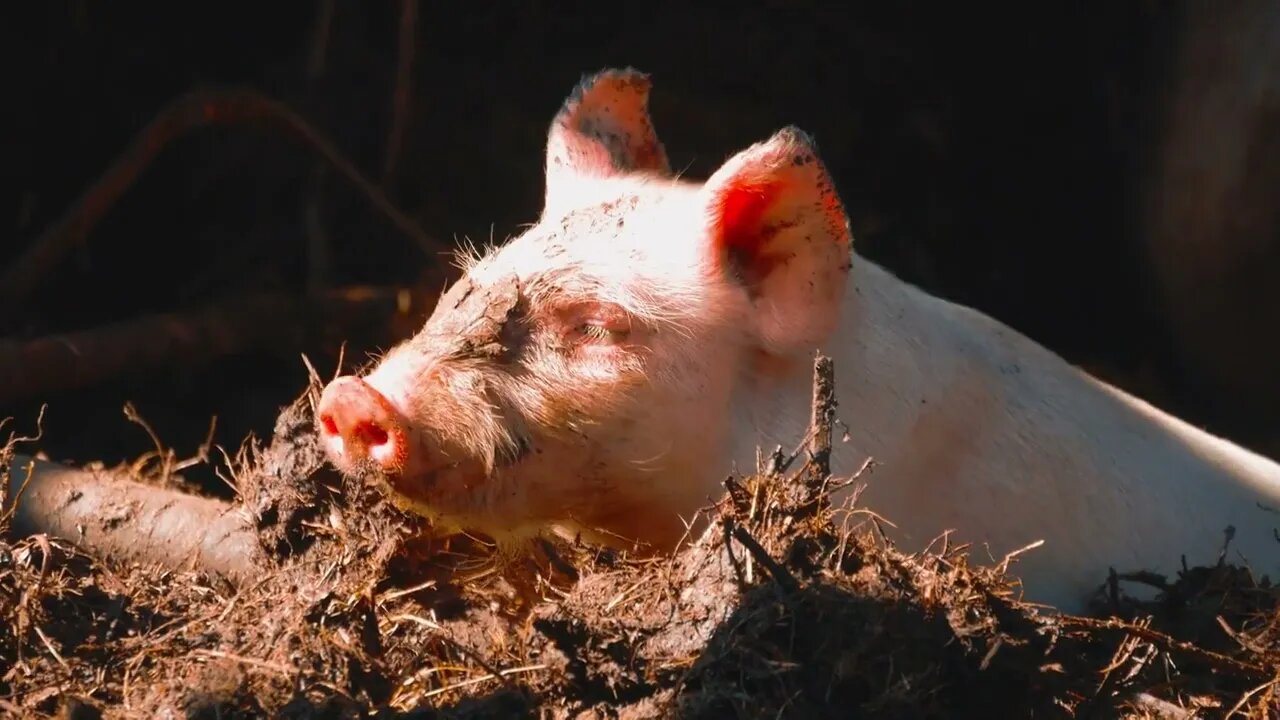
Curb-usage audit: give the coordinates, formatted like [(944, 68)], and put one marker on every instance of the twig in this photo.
[(740, 569), (476, 681), (126, 521), (1218, 660), (243, 660), (779, 573), (169, 462), (808, 495), (56, 363), (1003, 567), (1162, 709), (822, 414), (1246, 697), (392, 595), (488, 667), (1123, 653), (49, 645), (8, 494), (402, 92), (197, 109)]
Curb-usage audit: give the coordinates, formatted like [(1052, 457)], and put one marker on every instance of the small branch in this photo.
[(475, 657), (1217, 660), (777, 571), (403, 89), (1161, 709), (807, 492), (823, 414), (198, 109), (125, 521), (55, 363)]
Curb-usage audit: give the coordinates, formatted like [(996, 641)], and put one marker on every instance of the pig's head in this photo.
[(584, 376)]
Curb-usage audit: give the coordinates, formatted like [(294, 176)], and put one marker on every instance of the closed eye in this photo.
[(595, 324), (602, 332)]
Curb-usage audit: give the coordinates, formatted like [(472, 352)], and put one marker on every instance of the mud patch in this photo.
[(778, 610)]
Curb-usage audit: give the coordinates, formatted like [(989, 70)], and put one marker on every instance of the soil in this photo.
[(782, 608), (989, 166)]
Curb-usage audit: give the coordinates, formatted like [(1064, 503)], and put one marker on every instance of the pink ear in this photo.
[(604, 130), (778, 225)]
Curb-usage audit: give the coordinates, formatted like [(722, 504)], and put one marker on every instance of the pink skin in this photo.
[(603, 372), (584, 377)]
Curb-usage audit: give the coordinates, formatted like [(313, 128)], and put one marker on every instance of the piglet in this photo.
[(600, 374)]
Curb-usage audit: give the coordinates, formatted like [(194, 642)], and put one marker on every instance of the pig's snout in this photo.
[(358, 425)]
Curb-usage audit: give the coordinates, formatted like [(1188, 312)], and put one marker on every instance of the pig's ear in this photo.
[(778, 226), (603, 130)]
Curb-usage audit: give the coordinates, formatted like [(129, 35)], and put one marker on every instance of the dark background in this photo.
[(993, 157)]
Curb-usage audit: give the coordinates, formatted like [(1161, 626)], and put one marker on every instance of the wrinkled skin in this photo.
[(582, 377)]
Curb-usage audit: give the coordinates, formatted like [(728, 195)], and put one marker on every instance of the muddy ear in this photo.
[(778, 226), (603, 130)]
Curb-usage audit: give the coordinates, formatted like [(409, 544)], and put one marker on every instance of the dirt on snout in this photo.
[(783, 608)]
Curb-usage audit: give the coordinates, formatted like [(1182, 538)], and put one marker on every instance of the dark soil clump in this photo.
[(782, 608)]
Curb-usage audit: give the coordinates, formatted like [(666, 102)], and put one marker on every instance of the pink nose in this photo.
[(358, 423)]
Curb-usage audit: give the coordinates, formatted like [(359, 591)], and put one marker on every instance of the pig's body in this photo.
[(976, 428), (601, 373)]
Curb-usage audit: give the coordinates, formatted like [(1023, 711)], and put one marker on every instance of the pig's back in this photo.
[(1005, 441)]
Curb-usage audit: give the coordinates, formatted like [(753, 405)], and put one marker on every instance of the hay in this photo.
[(785, 607)]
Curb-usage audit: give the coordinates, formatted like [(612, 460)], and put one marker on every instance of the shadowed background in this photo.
[(1003, 158)]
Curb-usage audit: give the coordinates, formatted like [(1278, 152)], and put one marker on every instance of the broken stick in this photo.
[(120, 520), (823, 414), (806, 491)]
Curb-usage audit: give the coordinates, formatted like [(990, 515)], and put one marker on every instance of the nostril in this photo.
[(371, 434), (359, 425), (328, 424)]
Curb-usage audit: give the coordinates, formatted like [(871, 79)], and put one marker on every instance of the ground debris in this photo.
[(786, 606)]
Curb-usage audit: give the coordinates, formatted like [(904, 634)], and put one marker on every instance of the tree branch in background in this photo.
[(200, 108), (403, 89), (31, 368)]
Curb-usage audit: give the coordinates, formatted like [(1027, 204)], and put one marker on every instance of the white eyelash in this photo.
[(599, 332)]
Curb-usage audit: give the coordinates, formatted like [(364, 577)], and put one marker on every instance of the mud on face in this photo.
[(583, 377), (544, 391)]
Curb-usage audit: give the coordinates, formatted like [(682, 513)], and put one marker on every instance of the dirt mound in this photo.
[(785, 607)]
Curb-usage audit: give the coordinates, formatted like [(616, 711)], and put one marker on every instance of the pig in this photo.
[(599, 375)]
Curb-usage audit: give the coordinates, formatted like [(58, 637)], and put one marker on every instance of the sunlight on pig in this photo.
[(582, 377)]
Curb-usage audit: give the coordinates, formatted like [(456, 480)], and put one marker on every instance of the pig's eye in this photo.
[(600, 332), (596, 325)]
